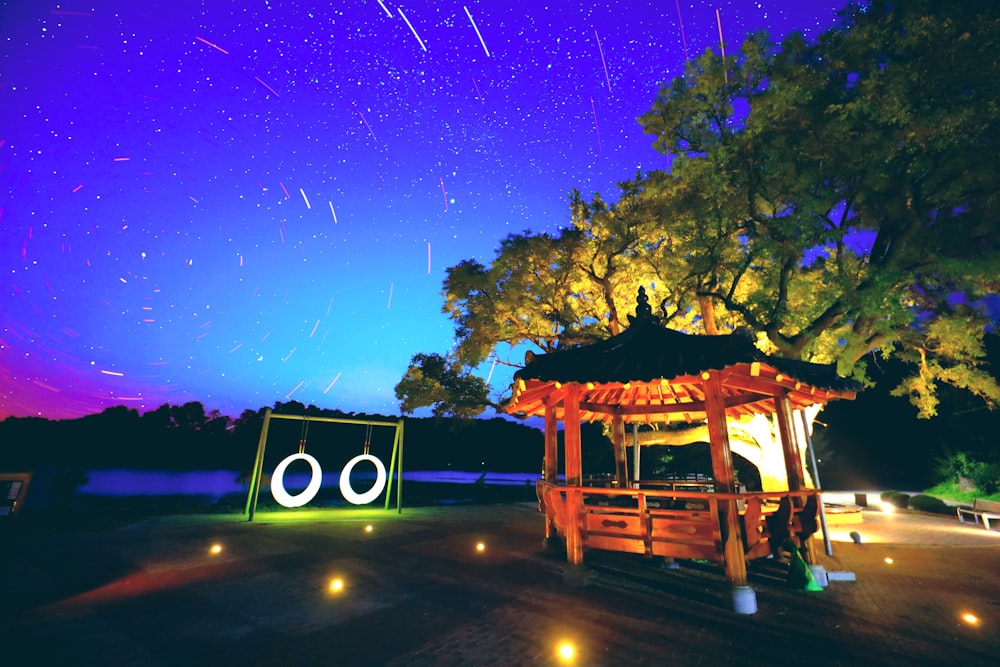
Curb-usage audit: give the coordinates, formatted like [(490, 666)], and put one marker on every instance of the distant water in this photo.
[(218, 483)]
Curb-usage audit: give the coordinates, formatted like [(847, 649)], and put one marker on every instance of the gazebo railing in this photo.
[(676, 523)]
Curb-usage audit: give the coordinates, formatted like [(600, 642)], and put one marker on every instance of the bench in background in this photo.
[(981, 510)]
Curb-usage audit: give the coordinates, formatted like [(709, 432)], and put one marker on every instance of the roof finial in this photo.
[(643, 311)]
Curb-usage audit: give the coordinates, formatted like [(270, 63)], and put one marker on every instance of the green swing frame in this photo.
[(395, 461)]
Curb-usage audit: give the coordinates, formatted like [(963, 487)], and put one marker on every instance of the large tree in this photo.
[(836, 198)]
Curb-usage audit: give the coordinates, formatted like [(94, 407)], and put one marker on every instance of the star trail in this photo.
[(153, 248)]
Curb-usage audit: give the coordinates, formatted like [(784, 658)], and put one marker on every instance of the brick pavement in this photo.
[(417, 592)]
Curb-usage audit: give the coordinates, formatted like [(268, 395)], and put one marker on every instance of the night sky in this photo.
[(240, 203)]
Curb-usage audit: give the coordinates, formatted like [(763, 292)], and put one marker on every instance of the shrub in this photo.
[(884, 496), (986, 477), (897, 499), (925, 503)]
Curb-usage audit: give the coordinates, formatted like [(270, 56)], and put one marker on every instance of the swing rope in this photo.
[(368, 439), (303, 436)]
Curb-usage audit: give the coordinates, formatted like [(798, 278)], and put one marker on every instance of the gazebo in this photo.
[(652, 375)]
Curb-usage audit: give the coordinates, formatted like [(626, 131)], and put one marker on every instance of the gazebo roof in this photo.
[(650, 373)]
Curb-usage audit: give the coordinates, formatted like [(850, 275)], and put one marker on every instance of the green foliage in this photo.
[(952, 466), (433, 380), (925, 503), (951, 491), (986, 476), (833, 197)]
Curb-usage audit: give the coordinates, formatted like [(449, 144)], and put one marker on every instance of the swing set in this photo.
[(284, 498)]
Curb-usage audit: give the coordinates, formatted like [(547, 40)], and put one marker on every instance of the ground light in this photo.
[(215, 549), (369, 528), (971, 619), (480, 547), (566, 651), (336, 585), (888, 560)]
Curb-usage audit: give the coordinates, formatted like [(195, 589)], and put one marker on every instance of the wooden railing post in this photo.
[(574, 525)]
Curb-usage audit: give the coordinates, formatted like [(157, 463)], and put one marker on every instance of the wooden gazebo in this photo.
[(652, 375)]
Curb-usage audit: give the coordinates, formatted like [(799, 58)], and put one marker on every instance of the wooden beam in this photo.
[(740, 378), (670, 408)]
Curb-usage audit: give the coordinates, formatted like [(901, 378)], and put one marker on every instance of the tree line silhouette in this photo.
[(186, 437)]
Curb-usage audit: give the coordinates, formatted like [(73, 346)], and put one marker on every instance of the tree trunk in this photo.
[(708, 315)]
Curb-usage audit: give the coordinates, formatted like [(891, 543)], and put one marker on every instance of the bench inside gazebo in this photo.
[(652, 375)]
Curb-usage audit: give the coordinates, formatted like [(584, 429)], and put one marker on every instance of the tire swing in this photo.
[(315, 480), (380, 475)]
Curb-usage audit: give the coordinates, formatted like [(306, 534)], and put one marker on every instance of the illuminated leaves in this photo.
[(838, 199), (432, 380)]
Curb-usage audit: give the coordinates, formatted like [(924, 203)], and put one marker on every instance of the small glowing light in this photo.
[(369, 528), (888, 508), (480, 546), (566, 651), (216, 549), (336, 585), (888, 560), (971, 619)]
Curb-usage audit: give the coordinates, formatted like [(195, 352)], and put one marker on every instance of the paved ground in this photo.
[(416, 591)]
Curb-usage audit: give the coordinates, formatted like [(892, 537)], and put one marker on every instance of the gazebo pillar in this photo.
[(789, 444), (793, 461), (574, 473), (618, 442), (734, 561), (550, 465)]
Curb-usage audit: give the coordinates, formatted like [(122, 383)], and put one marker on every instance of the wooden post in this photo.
[(550, 466), (722, 470), (571, 426), (618, 442), (574, 525), (793, 463), (574, 474), (789, 446), (636, 455)]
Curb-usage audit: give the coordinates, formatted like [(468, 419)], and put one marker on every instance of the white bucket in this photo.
[(744, 600)]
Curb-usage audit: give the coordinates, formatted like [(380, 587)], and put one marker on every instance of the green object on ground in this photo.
[(799, 575)]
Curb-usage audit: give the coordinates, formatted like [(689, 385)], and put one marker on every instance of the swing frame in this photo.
[(395, 461)]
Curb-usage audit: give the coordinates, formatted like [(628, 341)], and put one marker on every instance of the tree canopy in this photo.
[(837, 198)]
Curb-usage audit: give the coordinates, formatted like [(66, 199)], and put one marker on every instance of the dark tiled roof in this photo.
[(646, 351)]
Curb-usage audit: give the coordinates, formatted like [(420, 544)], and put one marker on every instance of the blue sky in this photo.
[(244, 203)]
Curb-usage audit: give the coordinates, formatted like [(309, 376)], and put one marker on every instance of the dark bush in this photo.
[(986, 477), (925, 503), (884, 496), (897, 499)]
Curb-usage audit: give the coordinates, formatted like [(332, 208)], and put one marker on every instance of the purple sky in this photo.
[(240, 203)]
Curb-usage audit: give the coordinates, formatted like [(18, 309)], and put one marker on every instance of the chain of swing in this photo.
[(304, 436)]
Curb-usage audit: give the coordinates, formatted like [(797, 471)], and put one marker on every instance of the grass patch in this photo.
[(950, 491)]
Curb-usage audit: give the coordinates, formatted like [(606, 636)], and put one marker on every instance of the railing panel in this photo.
[(676, 523)]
